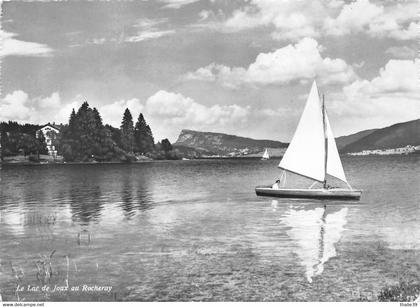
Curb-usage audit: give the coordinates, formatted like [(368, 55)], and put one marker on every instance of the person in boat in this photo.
[(276, 185)]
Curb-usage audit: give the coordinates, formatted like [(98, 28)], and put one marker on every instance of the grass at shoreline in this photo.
[(401, 292)]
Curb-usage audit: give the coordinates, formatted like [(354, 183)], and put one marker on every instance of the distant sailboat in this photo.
[(313, 154), (265, 156)]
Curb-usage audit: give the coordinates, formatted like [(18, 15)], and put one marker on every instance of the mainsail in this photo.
[(306, 152)]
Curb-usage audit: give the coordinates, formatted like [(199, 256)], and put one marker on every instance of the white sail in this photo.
[(266, 155), (306, 152), (334, 166)]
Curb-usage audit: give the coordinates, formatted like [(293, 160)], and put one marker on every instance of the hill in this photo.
[(196, 143), (224, 144), (395, 136), (345, 140), (190, 152)]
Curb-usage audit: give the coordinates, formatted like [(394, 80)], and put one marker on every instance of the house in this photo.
[(50, 132)]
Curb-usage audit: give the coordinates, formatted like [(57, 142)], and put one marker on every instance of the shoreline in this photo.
[(28, 163), (132, 162), (75, 163)]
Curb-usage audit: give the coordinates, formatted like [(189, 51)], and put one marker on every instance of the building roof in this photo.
[(57, 127)]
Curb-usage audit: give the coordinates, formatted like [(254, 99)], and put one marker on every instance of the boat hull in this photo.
[(308, 193)]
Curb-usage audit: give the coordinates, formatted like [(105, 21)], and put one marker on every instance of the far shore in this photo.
[(148, 160), (73, 162), (14, 162)]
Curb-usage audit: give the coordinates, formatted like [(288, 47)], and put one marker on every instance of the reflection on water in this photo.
[(315, 232), (13, 222), (85, 204), (127, 203)]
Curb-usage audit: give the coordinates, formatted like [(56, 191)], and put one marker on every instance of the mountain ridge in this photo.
[(224, 144), (215, 143), (343, 141), (394, 136)]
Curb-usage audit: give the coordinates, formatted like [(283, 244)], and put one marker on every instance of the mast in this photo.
[(322, 235), (325, 141)]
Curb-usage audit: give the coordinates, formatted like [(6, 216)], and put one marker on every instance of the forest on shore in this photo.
[(85, 138)]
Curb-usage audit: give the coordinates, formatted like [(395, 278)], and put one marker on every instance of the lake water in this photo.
[(195, 230)]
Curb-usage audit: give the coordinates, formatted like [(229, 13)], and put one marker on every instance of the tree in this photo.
[(143, 137), (17, 138), (29, 145), (4, 142), (166, 145), (164, 150), (85, 137), (127, 132), (69, 145), (98, 118), (115, 134), (72, 123), (41, 145)]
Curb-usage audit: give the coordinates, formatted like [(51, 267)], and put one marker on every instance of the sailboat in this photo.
[(313, 154), (265, 156)]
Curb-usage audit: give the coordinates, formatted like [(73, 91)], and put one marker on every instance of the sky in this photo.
[(242, 67)]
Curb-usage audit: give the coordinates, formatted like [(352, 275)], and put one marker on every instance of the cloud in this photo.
[(290, 19), (353, 17), (14, 106), (401, 52), (394, 21), (14, 47), (49, 109), (169, 112), (298, 62), (96, 41), (204, 14), (148, 34), (359, 65), (112, 113), (398, 76), (393, 94), (53, 101), (18, 106), (226, 76), (146, 29), (176, 4), (293, 20), (184, 110)]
